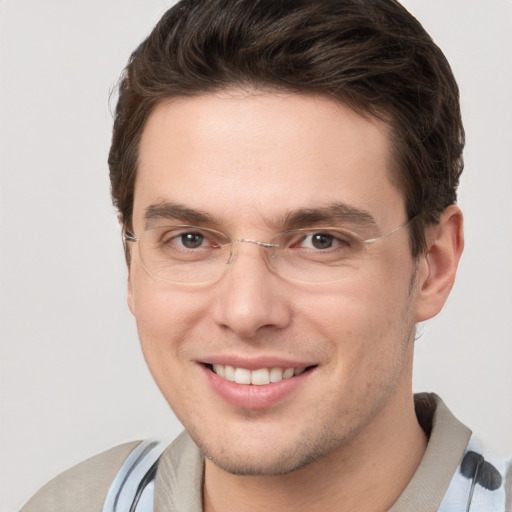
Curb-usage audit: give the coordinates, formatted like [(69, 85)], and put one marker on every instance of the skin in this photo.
[(246, 159)]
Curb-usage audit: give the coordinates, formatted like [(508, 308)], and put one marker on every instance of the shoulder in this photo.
[(83, 487)]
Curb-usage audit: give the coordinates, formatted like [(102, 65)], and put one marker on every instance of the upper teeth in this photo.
[(258, 377)]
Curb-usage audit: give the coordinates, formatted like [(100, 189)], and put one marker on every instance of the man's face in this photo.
[(246, 162)]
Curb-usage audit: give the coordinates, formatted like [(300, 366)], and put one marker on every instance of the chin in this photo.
[(260, 465), (268, 458)]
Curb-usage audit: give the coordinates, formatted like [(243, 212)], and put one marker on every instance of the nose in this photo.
[(249, 297)]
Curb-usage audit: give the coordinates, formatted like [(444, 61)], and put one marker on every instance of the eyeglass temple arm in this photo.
[(128, 237), (392, 232)]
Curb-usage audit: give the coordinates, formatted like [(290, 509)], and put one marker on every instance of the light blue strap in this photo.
[(123, 490)]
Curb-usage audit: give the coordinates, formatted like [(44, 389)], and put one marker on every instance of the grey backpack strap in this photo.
[(133, 487)]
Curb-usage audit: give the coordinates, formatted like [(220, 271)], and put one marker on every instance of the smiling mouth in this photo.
[(260, 377)]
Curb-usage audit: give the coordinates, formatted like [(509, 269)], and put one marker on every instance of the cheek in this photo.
[(357, 307), (367, 322), (165, 316), (166, 319)]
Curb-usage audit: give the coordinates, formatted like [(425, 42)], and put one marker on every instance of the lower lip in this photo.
[(249, 396)]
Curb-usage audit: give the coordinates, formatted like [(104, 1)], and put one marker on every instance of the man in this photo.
[(285, 175)]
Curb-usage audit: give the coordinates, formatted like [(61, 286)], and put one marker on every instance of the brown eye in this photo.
[(322, 240)]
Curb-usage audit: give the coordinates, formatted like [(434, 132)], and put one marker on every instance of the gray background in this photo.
[(73, 381)]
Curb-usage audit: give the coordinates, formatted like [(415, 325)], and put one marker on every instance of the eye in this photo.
[(322, 240), (190, 240)]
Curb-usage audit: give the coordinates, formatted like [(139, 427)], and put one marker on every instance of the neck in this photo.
[(363, 474)]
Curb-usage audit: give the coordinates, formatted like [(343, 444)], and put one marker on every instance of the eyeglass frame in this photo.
[(129, 237)]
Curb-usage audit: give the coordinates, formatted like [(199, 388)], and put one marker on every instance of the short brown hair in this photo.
[(372, 55)]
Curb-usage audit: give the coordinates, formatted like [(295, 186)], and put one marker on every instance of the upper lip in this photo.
[(255, 363)]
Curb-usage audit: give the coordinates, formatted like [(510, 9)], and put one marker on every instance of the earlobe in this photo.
[(438, 266)]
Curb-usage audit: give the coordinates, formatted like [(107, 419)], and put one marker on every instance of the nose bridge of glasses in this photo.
[(265, 245)]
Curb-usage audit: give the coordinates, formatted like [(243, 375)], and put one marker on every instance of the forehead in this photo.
[(245, 157)]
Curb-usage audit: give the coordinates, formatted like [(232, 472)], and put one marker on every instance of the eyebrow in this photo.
[(176, 211), (338, 213), (334, 214)]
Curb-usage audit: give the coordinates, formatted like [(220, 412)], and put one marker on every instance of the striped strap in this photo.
[(133, 487)]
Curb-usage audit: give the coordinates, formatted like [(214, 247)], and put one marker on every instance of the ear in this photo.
[(129, 290), (129, 293), (438, 266)]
